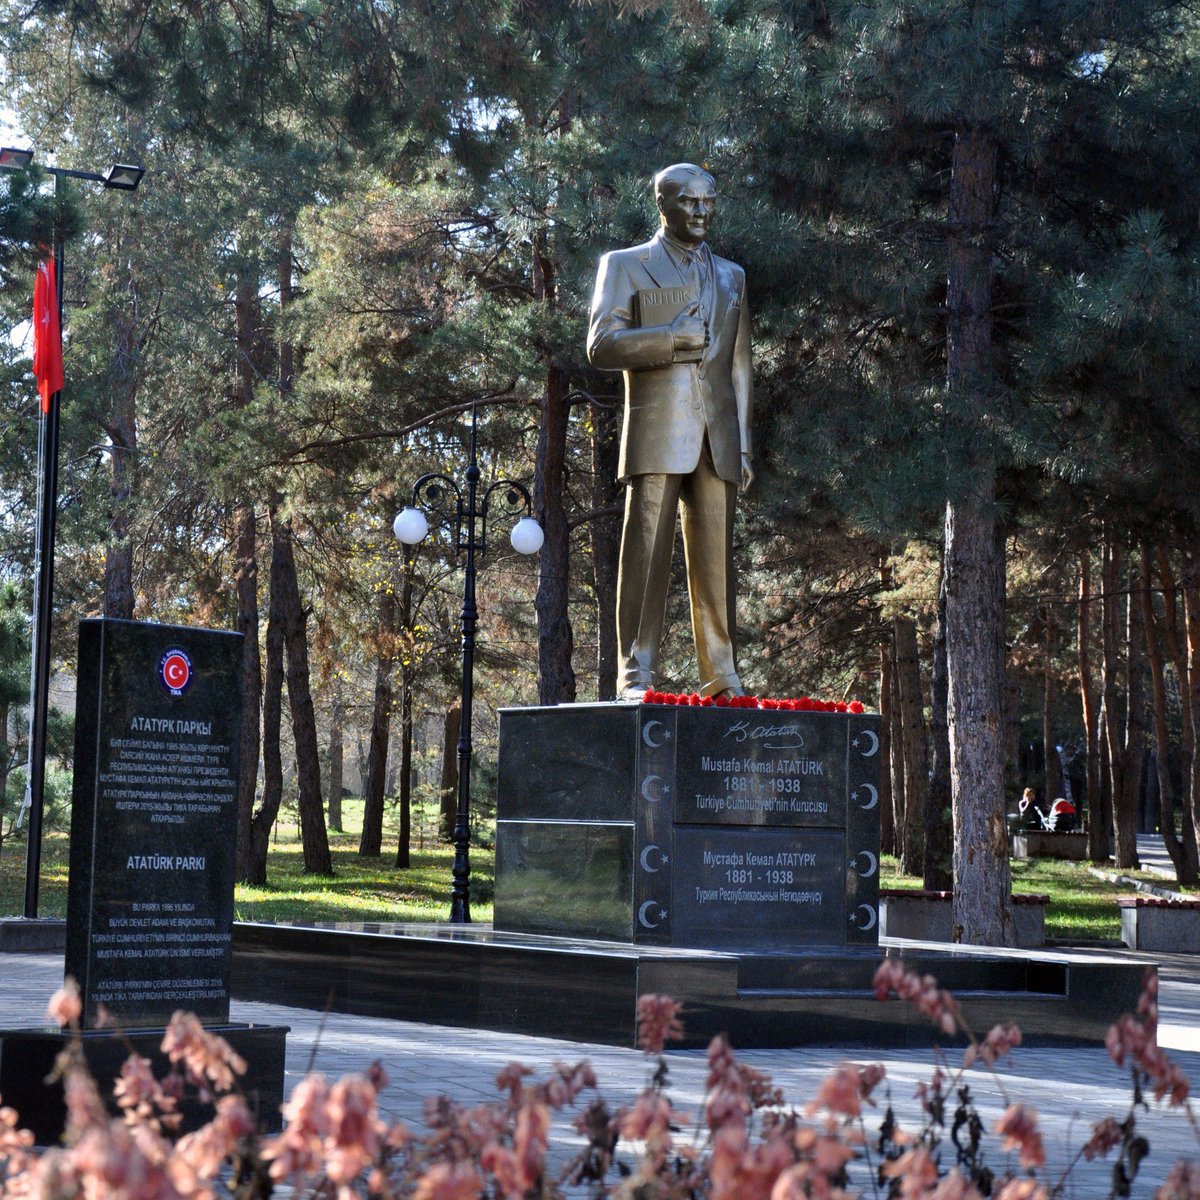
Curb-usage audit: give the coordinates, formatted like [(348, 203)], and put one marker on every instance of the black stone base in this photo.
[(27, 1058), (44, 934), (473, 977)]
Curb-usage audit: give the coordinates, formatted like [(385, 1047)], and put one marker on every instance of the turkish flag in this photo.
[(47, 335)]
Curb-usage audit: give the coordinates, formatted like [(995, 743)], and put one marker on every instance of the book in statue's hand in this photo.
[(660, 306)]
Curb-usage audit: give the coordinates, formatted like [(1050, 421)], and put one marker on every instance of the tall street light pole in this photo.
[(410, 527), (120, 177)]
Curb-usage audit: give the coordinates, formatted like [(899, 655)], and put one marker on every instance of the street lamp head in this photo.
[(12, 159), (527, 536), (410, 526), (124, 177)]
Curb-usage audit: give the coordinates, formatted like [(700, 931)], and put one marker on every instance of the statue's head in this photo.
[(687, 201)]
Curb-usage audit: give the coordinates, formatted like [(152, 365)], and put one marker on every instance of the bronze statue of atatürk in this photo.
[(673, 317)]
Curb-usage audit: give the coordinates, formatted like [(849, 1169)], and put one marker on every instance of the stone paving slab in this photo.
[(1070, 1088)]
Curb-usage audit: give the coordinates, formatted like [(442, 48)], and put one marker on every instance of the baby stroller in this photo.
[(1063, 817)]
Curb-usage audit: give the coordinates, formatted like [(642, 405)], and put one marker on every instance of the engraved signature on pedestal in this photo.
[(743, 731)]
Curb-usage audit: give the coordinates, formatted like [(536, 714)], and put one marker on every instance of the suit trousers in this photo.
[(706, 504)]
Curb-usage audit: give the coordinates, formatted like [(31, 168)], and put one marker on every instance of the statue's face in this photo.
[(687, 212)]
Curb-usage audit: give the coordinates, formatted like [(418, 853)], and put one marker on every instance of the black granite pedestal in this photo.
[(35, 934), (705, 827), (475, 977)]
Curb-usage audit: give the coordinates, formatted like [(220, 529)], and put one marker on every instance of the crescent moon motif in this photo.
[(647, 736), (644, 915), (645, 859), (648, 794), (870, 918), (870, 733), (872, 861), (872, 792)]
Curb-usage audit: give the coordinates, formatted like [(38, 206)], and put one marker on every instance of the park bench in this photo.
[(1033, 843), (1156, 923), (926, 916)]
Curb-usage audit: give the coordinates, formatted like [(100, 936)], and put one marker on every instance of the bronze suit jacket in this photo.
[(669, 406)]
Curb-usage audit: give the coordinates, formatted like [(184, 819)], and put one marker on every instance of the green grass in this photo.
[(52, 890), (361, 889), (1082, 907)]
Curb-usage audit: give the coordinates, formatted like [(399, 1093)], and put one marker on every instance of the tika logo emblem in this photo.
[(175, 671)]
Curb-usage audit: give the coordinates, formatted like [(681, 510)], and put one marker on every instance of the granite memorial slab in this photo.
[(689, 826), (150, 894), (154, 821)]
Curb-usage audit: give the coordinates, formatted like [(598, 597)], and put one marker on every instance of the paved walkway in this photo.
[(1153, 856), (1070, 1088)]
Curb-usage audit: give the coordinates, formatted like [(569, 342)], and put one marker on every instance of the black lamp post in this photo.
[(410, 527), (120, 177)]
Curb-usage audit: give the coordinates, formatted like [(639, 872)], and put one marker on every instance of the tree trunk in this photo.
[(1119, 751), (1190, 578), (449, 798), (272, 717), (896, 747), (1012, 723), (371, 842), (556, 641), (314, 837), (1135, 727), (245, 536), (982, 909), (1177, 848), (404, 838), (246, 585), (939, 830), (887, 819), (1178, 653), (5, 766), (912, 726), (1097, 827), (1106, 781), (1177, 650), (337, 758), (122, 436), (1052, 774), (605, 533)]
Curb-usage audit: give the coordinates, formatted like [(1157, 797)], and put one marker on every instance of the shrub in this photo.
[(746, 1144)]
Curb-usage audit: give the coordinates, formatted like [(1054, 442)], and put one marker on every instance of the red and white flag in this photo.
[(47, 335)]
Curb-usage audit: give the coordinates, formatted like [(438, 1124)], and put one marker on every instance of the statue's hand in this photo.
[(688, 331), (747, 473)]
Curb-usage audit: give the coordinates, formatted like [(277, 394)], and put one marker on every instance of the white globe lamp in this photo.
[(410, 526), (527, 536)]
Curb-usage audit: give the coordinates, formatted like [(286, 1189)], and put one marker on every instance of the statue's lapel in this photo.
[(658, 266), (723, 291)]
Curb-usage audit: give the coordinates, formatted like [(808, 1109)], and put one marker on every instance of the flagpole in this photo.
[(123, 177), (43, 600)]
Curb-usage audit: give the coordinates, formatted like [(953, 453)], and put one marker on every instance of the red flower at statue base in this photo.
[(803, 704)]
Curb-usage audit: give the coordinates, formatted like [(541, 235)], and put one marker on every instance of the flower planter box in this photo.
[(1153, 923), (925, 916), (1033, 844)]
